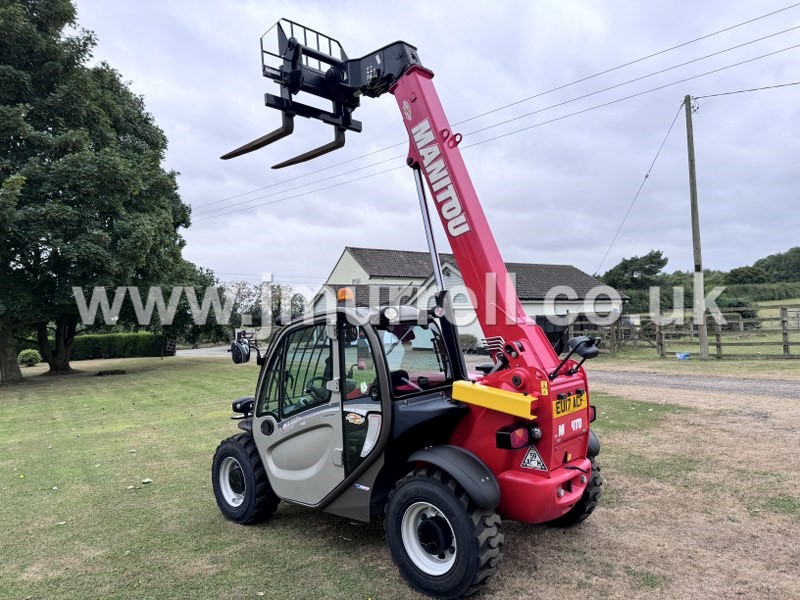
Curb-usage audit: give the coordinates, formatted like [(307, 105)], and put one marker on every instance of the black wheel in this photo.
[(443, 544), (240, 482), (588, 502)]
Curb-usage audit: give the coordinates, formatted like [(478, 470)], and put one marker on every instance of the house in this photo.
[(379, 277)]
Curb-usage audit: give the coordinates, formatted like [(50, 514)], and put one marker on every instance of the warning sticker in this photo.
[(532, 460)]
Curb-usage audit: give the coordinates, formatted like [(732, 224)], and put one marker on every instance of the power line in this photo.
[(758, 89), (297, 187), (526, 128), (624, 83), (636, 95), (303, 193), (639, 191), (627, 64), (539, 94), (541, 110)]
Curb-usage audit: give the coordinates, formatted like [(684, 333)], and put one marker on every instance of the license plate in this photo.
[(569, 405)]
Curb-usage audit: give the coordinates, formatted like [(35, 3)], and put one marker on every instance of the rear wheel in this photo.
[(588, 502), (240, 482), (443, 544)]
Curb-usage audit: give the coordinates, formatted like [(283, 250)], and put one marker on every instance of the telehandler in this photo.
[(368, 413)]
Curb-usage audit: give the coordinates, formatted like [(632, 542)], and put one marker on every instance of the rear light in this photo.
[(514, 436), (592, 414)]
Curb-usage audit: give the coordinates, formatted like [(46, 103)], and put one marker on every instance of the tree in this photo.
[(92, 205), (637, 272), (783, 266), (15, 299), (748, 275)]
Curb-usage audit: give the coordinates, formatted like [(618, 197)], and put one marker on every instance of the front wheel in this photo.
[(443, 544), (240, 482)]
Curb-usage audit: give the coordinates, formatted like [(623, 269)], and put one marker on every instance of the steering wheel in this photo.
[(320, 393)]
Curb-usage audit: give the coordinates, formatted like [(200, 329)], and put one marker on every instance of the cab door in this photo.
[(298, 421)]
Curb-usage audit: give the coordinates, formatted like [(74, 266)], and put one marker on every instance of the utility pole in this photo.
[(699, 288)]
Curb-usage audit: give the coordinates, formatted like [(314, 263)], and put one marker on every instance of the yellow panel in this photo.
[(510, 403)]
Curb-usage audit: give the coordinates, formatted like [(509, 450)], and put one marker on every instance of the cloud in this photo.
[(554, 193)]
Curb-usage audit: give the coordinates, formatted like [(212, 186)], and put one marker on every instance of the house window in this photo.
[(356, 281)]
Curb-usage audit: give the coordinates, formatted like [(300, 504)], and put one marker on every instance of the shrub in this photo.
[(117, 345), (741, 306), (29, 358), (468, 342)]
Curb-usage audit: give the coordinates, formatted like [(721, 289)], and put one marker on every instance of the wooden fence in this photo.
[(776, 335)]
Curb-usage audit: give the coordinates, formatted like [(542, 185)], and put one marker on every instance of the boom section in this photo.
[(434, 148)]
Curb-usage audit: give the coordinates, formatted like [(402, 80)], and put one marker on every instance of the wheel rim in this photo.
[(231, 481), (428, 538)]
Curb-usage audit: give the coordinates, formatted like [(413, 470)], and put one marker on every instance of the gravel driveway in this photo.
[(776, 388)]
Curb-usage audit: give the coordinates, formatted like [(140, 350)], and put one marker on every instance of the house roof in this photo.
[(368, 296), (533, 281)]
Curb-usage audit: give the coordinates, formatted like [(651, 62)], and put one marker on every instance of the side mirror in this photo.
[(584, 346), (240, 351)]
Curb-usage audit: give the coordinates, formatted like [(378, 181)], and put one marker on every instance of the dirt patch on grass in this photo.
[(82, 561), (705, 503)]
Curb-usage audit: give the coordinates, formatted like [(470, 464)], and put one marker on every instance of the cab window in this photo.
[(361, 409), (416, 358), (298, 374)]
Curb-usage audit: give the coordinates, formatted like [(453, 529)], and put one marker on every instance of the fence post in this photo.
[(785, 331), (570, 327), (718, 340), (613, 333), (659, 341)]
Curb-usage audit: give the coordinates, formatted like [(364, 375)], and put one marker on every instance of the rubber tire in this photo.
[(259, 499), (588, 502), (477, 532)]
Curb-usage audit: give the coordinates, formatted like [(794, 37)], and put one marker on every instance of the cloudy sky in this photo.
[(553, 193)]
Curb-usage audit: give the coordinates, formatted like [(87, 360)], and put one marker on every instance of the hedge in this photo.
[(639, 300), (118, 345), (761, 292), (114, 345)]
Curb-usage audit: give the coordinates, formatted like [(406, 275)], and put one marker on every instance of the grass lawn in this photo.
[(79, 522)]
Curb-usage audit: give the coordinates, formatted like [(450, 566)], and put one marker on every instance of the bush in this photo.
[(761, 292), (468, 342), (29, 358), (741, 306), (117, 345)]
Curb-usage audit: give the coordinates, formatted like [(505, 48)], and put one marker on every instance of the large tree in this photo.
[(783, 266), (86, 201), (748, 275), (637, 272)]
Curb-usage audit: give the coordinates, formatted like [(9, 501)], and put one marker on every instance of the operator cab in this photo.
[(335, 388)]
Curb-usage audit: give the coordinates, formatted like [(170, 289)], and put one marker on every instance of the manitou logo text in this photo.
[(439, 179)]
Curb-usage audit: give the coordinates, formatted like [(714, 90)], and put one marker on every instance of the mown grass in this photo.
[(617, 414), (79, 522), (93, 438)]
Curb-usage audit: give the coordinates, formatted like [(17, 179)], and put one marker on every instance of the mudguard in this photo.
[(468, 470), (594, 445)]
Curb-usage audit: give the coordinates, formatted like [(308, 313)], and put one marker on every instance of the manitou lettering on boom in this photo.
[(439, 179)]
